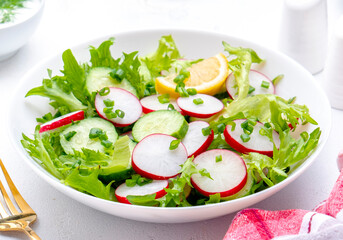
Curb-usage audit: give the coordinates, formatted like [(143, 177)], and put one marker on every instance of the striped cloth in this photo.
[(325, 222)]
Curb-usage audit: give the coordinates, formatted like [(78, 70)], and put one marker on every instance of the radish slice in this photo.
[(123, 101), (156, 186), (256, 79), (208, 108), (226, 168), (257, 143), (152, 158), (151, 103), (194, 141), (62, 121)]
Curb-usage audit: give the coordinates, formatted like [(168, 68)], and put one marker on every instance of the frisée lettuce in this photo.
[(100, 171)]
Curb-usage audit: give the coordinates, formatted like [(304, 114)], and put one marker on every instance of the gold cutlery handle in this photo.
[(29, 232)]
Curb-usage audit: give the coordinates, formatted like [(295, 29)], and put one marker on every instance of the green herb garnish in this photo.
[(174, 144), (265, 84), (198, 101), (104, 91), (245, 137), (69, 135), (108, 103), (219, 158), (120, 113), (164, 98), (8, 9)]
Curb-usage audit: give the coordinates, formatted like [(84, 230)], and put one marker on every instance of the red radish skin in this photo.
[(152, 158), (156, 186), (151, 103), (194, 141), (124, 101), (229, 175), (255, 80), (257, 143), (62, 121), (210, 107)]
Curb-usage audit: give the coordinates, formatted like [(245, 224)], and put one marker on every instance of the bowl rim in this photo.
[(52, 180)]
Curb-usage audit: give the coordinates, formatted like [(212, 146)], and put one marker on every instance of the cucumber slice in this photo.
[(245, 191), (120, 166), (162, 121), (99, 77), (81, 139)]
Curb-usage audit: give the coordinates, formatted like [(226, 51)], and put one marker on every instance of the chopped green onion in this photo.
[(179, 78), (120, 113), (111, 115), (198, 101), (251, 89), (104, 91), (233, 125), (130, 182), (142, 181), (247, 127), (95, 132), (107, 109), (265, 84), (206, 131), (221, 127), (164, 98), (219, 158), (245, 137), (180, 86), (108, 102), (118, 74), (170, 107), (174, 144), (106, 143), (69, 135), (137, 180), (182, 91), (192, 91), (277, 79)]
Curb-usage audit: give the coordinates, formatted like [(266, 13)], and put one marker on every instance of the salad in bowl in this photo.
[(164, 130)]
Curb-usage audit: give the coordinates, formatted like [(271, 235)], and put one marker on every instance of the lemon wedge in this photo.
[(207, 77)]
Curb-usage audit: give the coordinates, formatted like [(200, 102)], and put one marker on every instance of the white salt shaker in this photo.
[(304, 32), (333, 71)]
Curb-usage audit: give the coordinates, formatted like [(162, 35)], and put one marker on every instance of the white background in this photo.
[(67, 23)]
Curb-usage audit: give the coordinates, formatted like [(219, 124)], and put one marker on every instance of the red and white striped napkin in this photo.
[(324, 222)]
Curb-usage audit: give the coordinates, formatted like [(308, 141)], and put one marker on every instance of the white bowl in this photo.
[(193, 44), (14, 35)]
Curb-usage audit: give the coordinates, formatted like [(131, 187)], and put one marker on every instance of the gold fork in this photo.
[(16, 221)]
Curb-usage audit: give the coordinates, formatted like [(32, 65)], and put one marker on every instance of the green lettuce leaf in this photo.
[(101, 56), (89, 184), (41, 150), (75, 76), (128, 68), (290, 154), (58, 89), (162, 59), (240, 66), (270, 108), (67, 90), (176, 192)]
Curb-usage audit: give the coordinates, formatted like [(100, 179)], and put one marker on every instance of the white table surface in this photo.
[(67, 23)]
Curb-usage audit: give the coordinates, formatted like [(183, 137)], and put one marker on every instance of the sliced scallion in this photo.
[(198, 101)]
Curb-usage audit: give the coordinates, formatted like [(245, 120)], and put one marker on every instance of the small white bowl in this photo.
[(14, 35)]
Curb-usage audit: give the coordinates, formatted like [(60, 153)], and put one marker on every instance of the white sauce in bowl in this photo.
[(21, 14)]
